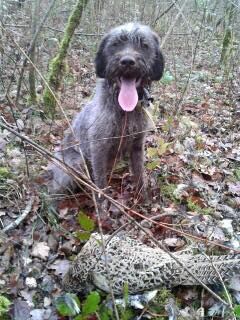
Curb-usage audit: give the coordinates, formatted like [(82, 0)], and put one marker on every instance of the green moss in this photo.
[(157, 306), (162, 296), (56, 71), (49, 103), (192, 206), (227, 40), (69, 79), (237, 174), (4, 173), (57, 65), (167, 191)]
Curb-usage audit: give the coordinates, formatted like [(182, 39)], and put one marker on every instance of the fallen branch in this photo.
[(22, 216)]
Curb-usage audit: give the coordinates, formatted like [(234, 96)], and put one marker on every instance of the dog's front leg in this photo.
[(137, 164), (99, 162)]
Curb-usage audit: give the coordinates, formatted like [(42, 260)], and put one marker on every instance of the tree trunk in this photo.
[(57, 65), (31, 77), (227, 44)]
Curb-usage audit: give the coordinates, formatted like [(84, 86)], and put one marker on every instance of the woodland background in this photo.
[(192, 159)]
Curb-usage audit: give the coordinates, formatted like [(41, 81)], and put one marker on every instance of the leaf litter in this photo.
[(192, 163)]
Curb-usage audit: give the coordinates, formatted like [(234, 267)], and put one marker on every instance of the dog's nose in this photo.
[(127, 61)]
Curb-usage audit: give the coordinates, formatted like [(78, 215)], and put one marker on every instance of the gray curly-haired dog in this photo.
[(113, 123)]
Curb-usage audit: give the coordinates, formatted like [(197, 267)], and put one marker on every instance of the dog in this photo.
[(114, 122)]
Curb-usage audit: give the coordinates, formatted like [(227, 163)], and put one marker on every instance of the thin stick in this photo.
[(173, 24), (31, 46), (44, 80), (22, 216), (221, 280), (163, 13)]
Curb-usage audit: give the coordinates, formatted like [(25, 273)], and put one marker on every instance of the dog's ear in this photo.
[(158, 62), (100, 60)]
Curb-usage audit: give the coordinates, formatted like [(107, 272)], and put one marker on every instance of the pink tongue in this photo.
[(128, 96)]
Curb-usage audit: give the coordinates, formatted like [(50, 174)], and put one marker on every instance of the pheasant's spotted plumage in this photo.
[(141, 267)]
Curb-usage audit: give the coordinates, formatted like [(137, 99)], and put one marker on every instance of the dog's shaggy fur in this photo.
[(128, 52)]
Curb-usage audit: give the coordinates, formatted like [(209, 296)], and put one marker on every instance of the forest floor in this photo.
[(192, 164)]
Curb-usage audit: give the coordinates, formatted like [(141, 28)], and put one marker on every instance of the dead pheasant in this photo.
[(127, 261)]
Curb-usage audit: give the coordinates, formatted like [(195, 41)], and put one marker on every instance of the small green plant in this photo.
[(87, 225), (89, 306), (69, 305), (154, 153), (167, 190), (4, 306), (236, 310), (193, 206), (167, 127), (4, 173), (167, 78), (125, 313), (157, 305)]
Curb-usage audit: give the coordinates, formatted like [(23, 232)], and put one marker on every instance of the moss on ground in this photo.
[(4, 173)]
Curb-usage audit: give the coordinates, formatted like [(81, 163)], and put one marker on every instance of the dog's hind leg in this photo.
[(61, 181)]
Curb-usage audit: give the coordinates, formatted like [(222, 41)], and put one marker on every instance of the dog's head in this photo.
[(130, 57)]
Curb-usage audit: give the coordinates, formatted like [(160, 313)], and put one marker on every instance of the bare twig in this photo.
[(173, 24), (43, 79), (222, 282), (179, 103), (22, 216), (31, 46), (97, 35), (78, 33), (163, 13)]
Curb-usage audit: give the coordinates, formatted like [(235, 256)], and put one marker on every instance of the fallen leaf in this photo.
[(174, 242), (234, 188), (40, 250), (37, 314), (20, 124), (20, 310), (60, 267), (235, 283)]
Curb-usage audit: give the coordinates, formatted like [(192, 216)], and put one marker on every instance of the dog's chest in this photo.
[(133, 126), (135, 122)]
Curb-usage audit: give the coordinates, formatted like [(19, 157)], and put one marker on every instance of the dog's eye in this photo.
[(124, 38), (145, 45), (115, 44)]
